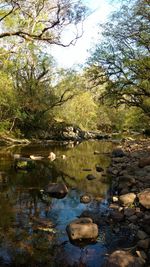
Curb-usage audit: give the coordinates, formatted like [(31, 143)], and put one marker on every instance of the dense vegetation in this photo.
[(112, 92)]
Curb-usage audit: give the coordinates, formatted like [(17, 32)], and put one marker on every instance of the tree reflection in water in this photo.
[(33, 228)]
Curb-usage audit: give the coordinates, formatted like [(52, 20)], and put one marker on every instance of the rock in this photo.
[(144, 162), (82, 228), (118, 152), (144, 243), (141, 234), (141, 254), (129, 212), (96, 152), (116, 215), (85, 199), (57, 190), (128, 179), (121, 258), (144, 198), (125, 189), (127, 199), (147, 168), (114, 206), (52, 156), (132, 218), (115, 199), (90, 177), (99, 168)]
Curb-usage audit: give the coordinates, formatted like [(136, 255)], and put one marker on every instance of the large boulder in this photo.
[(57, 190), (144, 198), (121, 258), (82, 229)]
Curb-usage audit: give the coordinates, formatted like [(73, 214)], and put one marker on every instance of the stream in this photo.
[(33, 225)]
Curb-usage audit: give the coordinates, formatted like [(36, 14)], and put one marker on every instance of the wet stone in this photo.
[(116, 215), (141, 234), (90, 177), (132, 218), (121, 258), (144, 243), (56, 190), (118, 152), (82, 228), (144, 198), (129, 212), (144, 162), (85, 199), (127, 199), (99, 168)]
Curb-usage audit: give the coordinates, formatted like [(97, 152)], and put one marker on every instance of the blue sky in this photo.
[(75, 55)]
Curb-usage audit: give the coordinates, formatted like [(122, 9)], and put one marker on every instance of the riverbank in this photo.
[(130, 201), (64, 134)]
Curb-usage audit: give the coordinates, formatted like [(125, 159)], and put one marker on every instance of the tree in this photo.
[(37, 87), (8, 104), (124, 55), (41, 20)]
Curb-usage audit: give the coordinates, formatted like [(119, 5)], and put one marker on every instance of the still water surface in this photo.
[(33, 226)]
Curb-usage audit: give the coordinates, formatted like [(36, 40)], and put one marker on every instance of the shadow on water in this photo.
[(33, 227)]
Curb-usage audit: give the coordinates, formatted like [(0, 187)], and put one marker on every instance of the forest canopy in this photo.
[(124, 56), (110, 92)]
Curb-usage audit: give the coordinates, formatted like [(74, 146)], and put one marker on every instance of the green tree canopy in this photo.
[(41, 20), (124, 56)]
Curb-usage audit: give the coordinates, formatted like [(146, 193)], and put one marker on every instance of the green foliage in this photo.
[(8, 103), (124, 55), (81, 110), (135, 120), (40, 20)]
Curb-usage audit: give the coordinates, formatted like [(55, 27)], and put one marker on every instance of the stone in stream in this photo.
[(90, 177), (96, 152), (118, 152), (57, 190), (121, 258), (82, 229), (99, 168), (144, 198), (141, 234), (117, 216), (127, 199), (85, 199)]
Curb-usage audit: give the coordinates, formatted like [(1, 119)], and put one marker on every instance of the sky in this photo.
[(68, 57)]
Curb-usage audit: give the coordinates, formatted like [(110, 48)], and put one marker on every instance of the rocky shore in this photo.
[(130, 202)]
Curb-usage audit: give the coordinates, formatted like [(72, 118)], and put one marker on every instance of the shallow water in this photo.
[(24, 241)]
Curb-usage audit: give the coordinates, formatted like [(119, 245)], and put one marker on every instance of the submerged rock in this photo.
[(90, 177), (57, 190), (82, 228), (24, 164)]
